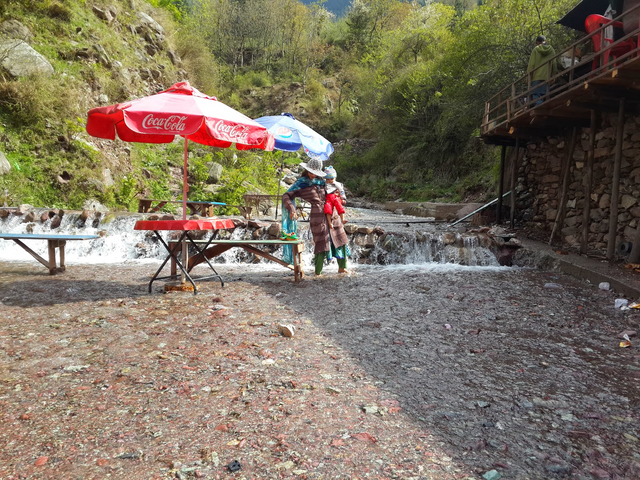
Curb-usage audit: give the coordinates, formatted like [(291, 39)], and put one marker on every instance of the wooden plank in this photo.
[(221, 246), (45, 236), (268, 256), (586, 209), (562, 201), (514, 174), (253, 242), (53, 241), (158, 207), (32, 253), (503, 153), (615, 187)]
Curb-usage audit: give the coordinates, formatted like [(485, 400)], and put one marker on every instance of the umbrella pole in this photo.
[(185, 189), (279, 182)]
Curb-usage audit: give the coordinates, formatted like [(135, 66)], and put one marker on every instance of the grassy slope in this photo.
[(54, 162)]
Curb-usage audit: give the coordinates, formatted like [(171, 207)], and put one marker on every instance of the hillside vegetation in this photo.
[(398, 87)]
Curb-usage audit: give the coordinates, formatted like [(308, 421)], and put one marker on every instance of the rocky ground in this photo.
[(415, 372)]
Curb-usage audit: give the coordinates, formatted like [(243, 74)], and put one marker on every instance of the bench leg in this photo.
[(52, 257), (53, 244), (298, 273), (61, 253)]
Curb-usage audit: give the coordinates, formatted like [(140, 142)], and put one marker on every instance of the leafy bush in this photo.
[(56, 10)]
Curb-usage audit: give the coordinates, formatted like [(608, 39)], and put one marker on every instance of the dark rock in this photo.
[(103, 14), (56, 221)]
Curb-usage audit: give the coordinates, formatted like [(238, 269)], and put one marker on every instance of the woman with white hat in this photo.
[(329, 242)]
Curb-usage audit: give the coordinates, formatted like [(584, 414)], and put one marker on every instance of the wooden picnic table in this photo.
[(150, 205), (53, 240), (218, 247), (257, 201)]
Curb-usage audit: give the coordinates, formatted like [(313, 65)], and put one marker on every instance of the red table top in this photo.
[(208, 224)]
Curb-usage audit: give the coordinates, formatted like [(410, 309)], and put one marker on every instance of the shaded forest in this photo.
[(402, 85)]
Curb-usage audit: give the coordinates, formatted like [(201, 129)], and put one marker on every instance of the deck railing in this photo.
[(516, 99)]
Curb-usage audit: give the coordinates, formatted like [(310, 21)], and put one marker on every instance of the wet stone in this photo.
[(492, 475)]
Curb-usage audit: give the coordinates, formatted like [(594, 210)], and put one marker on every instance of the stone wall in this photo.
[(540, 184)]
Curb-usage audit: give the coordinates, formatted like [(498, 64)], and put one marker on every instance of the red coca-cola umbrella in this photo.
[(180, 110)]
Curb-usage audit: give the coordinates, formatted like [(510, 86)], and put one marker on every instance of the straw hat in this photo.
[(314, 166)]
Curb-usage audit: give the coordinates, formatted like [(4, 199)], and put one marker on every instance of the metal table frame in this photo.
[(185, 226)]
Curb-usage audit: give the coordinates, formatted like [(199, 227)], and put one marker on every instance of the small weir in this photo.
[(118, 242)]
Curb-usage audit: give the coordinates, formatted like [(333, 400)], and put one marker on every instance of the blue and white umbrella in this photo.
[(291, 135)]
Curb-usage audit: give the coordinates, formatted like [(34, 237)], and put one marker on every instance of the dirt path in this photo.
[(398, 373)]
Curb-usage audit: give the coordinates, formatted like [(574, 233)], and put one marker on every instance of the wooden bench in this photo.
[(254, 202), (54, 241), (220, 246), (205, 209)]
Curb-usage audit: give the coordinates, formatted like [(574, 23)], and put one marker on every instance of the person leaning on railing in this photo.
[(540, 68)]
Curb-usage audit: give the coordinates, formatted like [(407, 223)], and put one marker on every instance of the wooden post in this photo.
[(514, 175), (487, 106), (615, 186), (501, 186), (52, 257), (586, 208), (562, 204)]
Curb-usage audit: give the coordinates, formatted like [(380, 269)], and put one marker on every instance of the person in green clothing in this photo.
[(541, 68)]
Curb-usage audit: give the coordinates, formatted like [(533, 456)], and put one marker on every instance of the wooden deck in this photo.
[(573, 94)]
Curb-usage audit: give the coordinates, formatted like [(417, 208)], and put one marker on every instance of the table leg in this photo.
[(200, 253), (172, 255)]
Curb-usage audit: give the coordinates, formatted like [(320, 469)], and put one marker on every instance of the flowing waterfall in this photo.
[(120, 243)]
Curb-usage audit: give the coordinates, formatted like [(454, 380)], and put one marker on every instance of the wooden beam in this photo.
[(498, 141), (615, 187), (586, 209), (501, 186), (547, 121), (613, 92), (599, 107), (562, 202)]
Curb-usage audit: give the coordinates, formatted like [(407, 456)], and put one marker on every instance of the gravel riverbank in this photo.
[(424, 372)]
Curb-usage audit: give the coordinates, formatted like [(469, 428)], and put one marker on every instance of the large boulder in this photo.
[(94, 205), (215, 172), (5, 166), (20, 60), (146, 21), (14, 29)]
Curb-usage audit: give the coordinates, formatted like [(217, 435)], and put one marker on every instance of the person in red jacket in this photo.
[(335, 195)]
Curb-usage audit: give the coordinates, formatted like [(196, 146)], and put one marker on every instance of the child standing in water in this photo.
[(335, 195)]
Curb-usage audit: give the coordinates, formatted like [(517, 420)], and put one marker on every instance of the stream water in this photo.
[(119, 243)]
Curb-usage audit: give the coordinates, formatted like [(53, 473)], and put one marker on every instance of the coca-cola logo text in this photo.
[(234, 133), (173, 123)]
